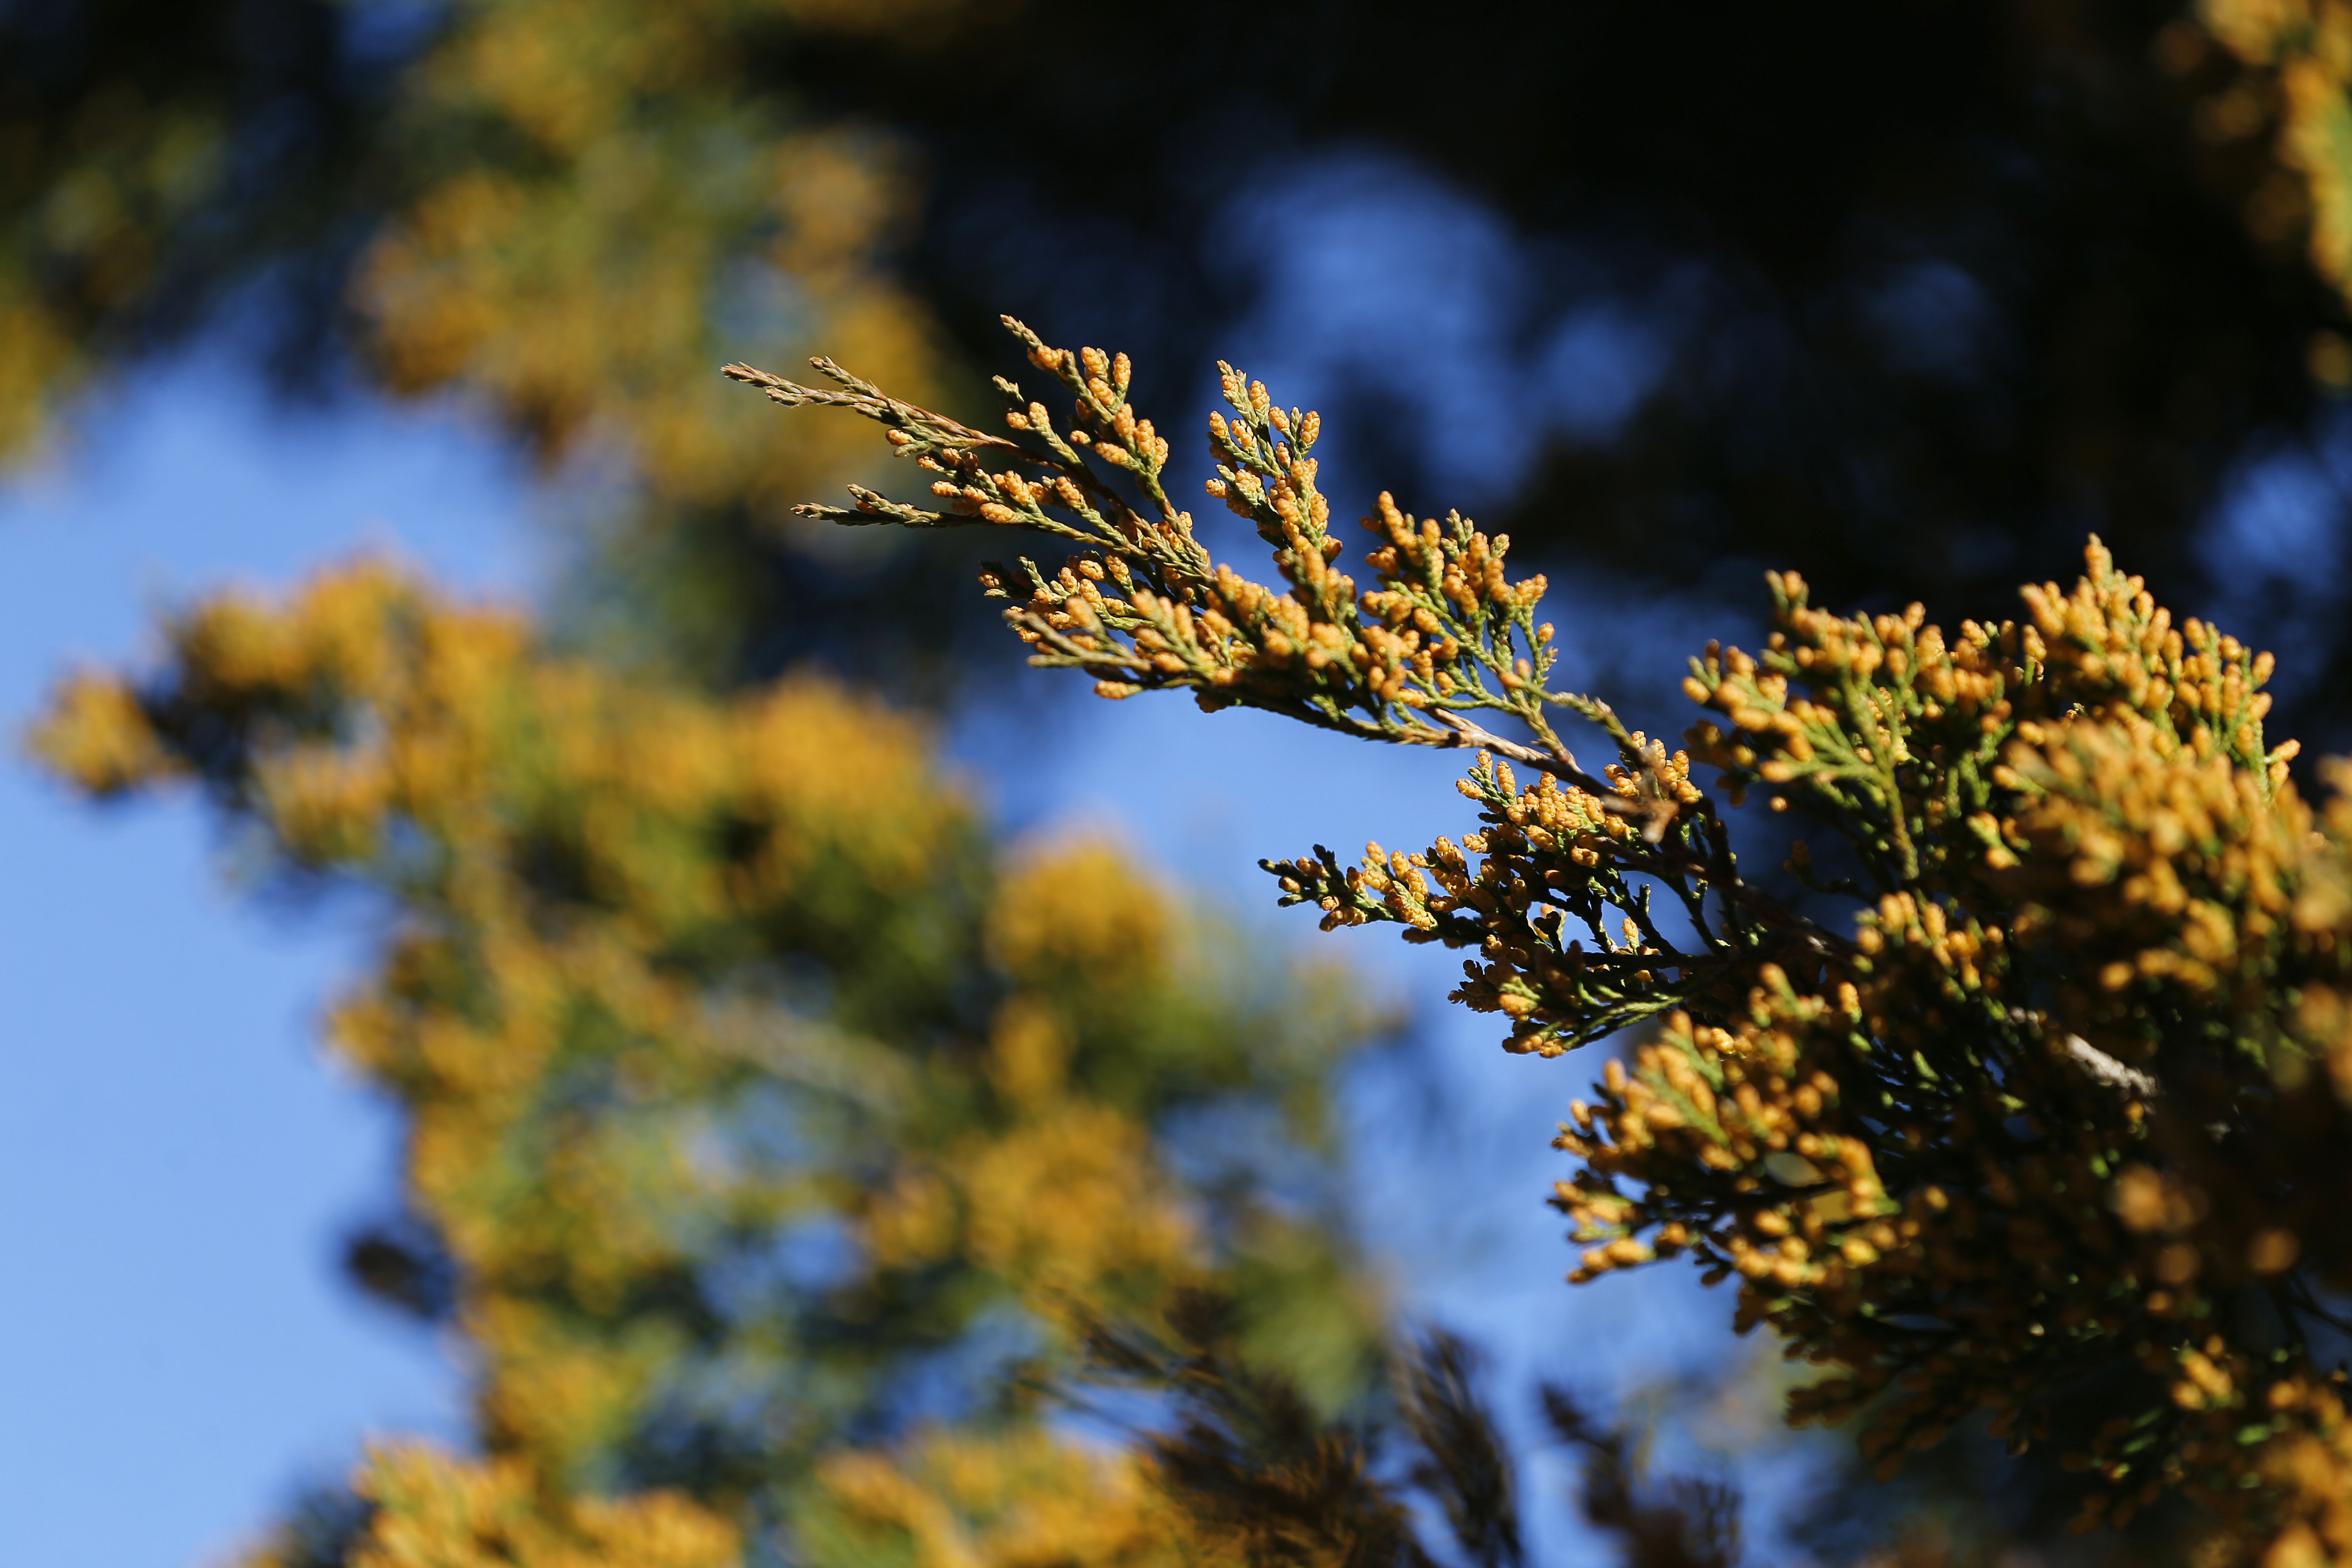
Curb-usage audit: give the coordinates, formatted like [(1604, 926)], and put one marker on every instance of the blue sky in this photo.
[(176, 1165)]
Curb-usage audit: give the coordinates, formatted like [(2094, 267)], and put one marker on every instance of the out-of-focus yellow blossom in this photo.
[(537, 171), (2293, 85), (1019, 1499), (1071, 1204), (613, 167), (92, 219), (1066, 1203), (682, 989), (432, 1510), (1080, 908)]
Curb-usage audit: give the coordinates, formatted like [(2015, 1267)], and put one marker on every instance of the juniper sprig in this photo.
[(2064, 1104)]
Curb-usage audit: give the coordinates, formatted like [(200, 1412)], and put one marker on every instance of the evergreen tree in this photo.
[(2039, 1097), (757, 1107), (792, 1159)]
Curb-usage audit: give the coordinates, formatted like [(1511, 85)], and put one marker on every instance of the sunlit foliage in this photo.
[(2048, 1082)]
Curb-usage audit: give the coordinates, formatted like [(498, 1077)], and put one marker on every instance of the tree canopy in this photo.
[(811, 1176)]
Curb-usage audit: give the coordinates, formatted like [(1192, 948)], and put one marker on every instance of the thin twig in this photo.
[(1562, 765), (870, 401)]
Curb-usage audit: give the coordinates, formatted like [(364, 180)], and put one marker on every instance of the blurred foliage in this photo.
[(427, 1510), (2282, 71), (562, 210), (1241, 1470), (754, 1103), (949, 1499), (2038, 1101)]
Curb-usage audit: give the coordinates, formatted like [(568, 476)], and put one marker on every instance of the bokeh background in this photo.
[(1910, 297)]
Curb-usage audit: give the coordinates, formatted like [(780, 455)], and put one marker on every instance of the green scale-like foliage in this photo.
[(2057, 1107)]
